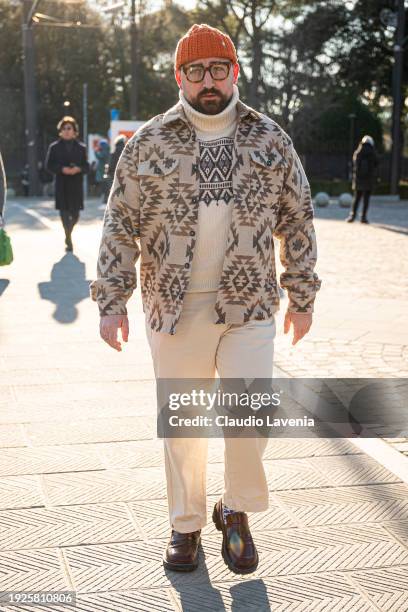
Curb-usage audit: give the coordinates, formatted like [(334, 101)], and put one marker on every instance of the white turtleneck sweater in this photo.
[(215, 134)]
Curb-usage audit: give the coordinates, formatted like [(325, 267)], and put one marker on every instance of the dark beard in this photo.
[(210, 107)]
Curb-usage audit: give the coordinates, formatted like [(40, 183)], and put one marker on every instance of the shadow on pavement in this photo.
[(250, 595), (18, 217), (4, 282), (196, 585), (391, 228), (67, 287), (391, 217), (195, 591), (22, 212)]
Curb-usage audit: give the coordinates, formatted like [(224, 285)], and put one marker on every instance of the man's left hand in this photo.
[(301, 321)]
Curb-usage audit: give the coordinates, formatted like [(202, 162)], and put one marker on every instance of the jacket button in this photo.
[(186, 265), (194, 200), (195, 167), (192, 233), (269, 162)]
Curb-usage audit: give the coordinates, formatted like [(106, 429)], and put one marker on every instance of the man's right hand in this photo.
[(108, 329)]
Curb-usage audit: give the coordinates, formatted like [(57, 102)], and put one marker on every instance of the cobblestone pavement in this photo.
[(82, 484), (360, 322), (360, 326)]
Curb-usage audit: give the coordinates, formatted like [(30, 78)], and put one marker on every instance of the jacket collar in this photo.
[(176, 113)]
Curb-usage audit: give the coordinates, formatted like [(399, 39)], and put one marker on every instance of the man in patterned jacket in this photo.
[(199, 193)]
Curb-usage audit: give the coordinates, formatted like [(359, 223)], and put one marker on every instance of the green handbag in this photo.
[(6, 252)]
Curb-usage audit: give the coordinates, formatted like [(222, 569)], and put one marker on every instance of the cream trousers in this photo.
[(199, 349)]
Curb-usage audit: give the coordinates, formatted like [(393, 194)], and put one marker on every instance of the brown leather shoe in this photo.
[(181, 554), (238, 548)]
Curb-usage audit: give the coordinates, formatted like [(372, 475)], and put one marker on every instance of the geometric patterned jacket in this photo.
[(152, 212)]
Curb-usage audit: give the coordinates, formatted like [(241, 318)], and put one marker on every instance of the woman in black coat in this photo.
[(67, 159), (365, 164)]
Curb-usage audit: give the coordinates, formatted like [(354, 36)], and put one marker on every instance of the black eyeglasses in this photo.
[(195, 73)]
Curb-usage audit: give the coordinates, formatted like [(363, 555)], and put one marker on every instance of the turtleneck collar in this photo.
[(212, 123)]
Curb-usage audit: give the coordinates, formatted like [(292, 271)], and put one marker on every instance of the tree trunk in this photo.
[(256, 63), (256, 59)]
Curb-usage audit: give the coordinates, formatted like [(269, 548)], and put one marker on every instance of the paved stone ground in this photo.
[(360, 324), (82, 486)]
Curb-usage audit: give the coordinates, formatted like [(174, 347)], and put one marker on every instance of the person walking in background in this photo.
[(3, 189), (120, 142), (67, 159), (6, 251), (102, 159), (365, 163), (91, 178)]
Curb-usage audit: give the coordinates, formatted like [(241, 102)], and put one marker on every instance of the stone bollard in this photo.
[(321, 199), (345, 200)]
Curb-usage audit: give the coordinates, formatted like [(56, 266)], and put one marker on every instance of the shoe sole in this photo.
[(180, 567), (176, 567), (233, 568)]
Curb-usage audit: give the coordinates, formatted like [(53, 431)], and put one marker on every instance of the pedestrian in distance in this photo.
[(119, 145), (365, 163), (3, 189), (6, 251), (67, 160), (92, 178), (102, 153), (199, 193)]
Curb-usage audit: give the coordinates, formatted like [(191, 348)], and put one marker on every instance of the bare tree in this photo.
[(245, 21)]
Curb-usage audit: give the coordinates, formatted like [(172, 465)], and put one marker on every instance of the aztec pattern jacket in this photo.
[(152, 212)]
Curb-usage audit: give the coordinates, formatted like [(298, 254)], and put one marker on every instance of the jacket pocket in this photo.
[(270, 160), (157, 167), (159, 185), (267, 176)]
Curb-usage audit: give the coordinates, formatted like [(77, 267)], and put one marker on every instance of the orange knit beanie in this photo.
[(203, 41)]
